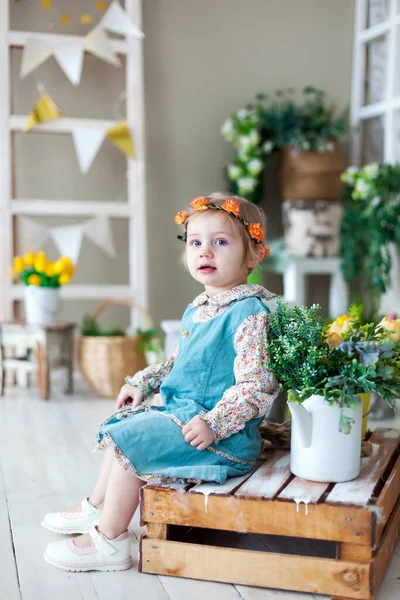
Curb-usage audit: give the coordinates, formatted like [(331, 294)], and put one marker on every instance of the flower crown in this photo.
[(231, 206)]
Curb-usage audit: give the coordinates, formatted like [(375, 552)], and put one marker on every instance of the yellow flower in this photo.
[(19, 264), (64, 19), (46, 4), (392, 326), (100, 5), (29, 259), (49, 271), (63, 279), (34, 279), (40, 264), (64, 266), (336, 330)]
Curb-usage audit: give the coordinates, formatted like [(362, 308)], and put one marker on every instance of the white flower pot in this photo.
[(319, 451), (41, 305)]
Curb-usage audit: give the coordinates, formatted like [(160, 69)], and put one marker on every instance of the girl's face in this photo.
[(215, 253)]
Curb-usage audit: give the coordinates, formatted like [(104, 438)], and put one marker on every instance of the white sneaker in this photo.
[(73, 522), (102, 555)]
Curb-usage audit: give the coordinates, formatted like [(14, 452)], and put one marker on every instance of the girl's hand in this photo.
[(128, 394), (198, 433)]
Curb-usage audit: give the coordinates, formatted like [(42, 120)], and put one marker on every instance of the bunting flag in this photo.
[(67, 238), (35, 53), (70, 58), (87, 142), (32, 234), (120, 136), (99, 231), (97, 43), (44, 110), (117, 20)]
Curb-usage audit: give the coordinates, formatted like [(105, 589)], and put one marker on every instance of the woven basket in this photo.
[(106, 361)]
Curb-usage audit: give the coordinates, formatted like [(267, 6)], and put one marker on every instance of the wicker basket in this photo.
[(106, 361)]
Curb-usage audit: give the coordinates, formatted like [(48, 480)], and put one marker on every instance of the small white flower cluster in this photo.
[(362, 181), (243, 131)]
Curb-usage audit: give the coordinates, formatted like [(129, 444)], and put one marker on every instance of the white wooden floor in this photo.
[(47, 464)]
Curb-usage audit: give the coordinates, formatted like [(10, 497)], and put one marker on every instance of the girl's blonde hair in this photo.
[(250, 213)]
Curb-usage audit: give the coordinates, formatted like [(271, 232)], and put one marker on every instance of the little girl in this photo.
[(216, 389)]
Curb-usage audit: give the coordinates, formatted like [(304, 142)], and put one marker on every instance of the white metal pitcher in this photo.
[(319, 451)]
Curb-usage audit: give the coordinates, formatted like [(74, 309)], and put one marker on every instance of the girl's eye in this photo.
[(195, 243), (221, 242)]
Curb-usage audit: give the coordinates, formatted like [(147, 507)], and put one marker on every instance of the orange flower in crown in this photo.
[(266, 252), (199, 203), (232, 206), (181, 217), (256, 231)]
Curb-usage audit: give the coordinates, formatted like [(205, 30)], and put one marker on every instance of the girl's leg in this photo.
[(99, 491), (120, 504)]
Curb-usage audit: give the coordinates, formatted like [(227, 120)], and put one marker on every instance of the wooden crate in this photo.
[(359, 519)]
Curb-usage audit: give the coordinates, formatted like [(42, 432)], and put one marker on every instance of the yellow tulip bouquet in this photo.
[(38, 270)]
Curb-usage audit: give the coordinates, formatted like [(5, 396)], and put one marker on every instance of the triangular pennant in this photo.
[(36, 51), (70, 58), (44, 110), (32, 234), (120, 136), (87, 142), (68, 240), (99, 231), (117, 21), (96, 42)]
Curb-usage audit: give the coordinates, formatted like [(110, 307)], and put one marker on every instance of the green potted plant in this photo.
[(324, 369), (370, 229), (307, 132)]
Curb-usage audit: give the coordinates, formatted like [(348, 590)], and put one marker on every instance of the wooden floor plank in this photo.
[(9, 585)]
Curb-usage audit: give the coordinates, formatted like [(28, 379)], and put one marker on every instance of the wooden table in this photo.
[(32, 348), (350, 529)]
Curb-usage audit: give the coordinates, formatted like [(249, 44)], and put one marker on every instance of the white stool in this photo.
[(294, 287)]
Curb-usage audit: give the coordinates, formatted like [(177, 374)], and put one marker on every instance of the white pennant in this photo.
[(70, 58), (36, 51), (99, 231), (87, 142), (117, 21), (96, 42), (32, 234), (68, 240)]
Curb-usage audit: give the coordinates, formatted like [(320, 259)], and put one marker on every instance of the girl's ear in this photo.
[(255, 259)]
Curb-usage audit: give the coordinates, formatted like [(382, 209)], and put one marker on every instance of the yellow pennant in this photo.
[(120, 136), (44, 110)]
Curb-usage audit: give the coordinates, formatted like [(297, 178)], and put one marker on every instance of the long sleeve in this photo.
[(256, 386), (150, 379)]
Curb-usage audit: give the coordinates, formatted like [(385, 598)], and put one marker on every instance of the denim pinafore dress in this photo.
[(148, 440)]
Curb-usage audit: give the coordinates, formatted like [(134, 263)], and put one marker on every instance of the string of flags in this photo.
[(87, 140), (70, 54), (67, 238)]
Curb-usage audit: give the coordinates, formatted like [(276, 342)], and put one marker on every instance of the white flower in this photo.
[(242, 113), (371, 171), (254, 166), (348, 175), (228, 130), (246, 142), (330, 146), (362, 188), (375, 201), (246, 184), (254, 137), (234, 172), (268, 146), (306, 146)]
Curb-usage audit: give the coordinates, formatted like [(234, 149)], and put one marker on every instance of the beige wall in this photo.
[(203, 60)]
